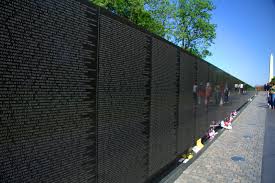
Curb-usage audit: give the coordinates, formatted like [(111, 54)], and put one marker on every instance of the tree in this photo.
[(272, 80), (183, 22), (194, 31), (162, 11), (134, 11)]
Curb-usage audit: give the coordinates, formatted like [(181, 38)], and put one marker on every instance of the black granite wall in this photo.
[(48, 76), (87, 96), (123, 102)]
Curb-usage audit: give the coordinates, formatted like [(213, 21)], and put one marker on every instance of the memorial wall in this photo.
[(86, 96)]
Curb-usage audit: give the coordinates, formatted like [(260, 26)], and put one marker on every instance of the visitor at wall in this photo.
[(268, 95), (272, 93)]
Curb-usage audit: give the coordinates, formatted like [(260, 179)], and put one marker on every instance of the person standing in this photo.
[(268, 87), (222, 94), (236, 87), (241, 88), (201, 92), (272, 93), (217, 94), (268, 94), (208, 93), (226, 94), (195, 95)]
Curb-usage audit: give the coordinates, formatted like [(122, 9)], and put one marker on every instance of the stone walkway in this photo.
[(245, 140), (268, 164)]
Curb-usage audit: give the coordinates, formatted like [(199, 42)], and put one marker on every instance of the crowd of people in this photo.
[(270, 90), (217, 94), (203, 94)]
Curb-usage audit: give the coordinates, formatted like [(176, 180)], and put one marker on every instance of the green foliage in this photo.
[(184, 22), (134, 11), (163, 12), (194, 31)]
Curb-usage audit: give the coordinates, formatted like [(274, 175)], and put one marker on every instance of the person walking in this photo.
[(272, 93)]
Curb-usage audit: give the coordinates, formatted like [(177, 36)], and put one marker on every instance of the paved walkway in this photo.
[(245, 140), (268, 164)]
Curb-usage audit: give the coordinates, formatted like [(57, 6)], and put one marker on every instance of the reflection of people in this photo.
[(195, 88), (236, 87), (241, 88), (208, 92), (200, 92), (226, 94), (222, 94), (217, 90)]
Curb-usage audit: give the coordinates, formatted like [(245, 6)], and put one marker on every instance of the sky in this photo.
[(245, 38)]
